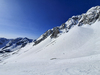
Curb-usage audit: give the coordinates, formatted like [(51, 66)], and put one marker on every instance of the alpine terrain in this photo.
[(70, 49)]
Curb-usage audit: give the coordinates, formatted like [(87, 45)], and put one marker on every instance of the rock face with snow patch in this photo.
[(91, 16), (55, 32)]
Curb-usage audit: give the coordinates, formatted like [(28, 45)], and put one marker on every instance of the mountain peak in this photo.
[(96, 8)]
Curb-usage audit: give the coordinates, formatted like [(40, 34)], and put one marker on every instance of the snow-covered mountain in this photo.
[(90, 17), (9, 45), (70, 49), (3, 42)]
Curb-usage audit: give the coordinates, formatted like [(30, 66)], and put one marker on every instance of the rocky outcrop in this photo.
[(52, 33), (72, 21), (42, 37), (62, 26), (55, 32), (90, 16)]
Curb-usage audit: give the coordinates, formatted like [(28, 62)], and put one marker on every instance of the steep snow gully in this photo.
[(70, 49)]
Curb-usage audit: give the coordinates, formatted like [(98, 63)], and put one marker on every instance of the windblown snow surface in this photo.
[(74, 53)]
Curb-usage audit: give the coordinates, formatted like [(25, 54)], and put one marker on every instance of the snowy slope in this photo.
[(76, 52)]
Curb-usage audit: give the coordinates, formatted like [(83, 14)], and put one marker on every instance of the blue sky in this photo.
[(31, 18)]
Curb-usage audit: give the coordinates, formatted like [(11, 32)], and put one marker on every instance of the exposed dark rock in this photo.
[(62, 26), (55, 32), (53, 58), (52, 32), (91, 16), (37, 41), (24, 44), (1, 51), (44, 36), (7, 50)]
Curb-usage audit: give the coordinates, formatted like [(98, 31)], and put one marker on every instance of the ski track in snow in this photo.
[(80, 66)]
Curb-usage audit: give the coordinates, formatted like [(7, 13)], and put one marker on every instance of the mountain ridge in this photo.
[(9, 45), (89, 17)]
